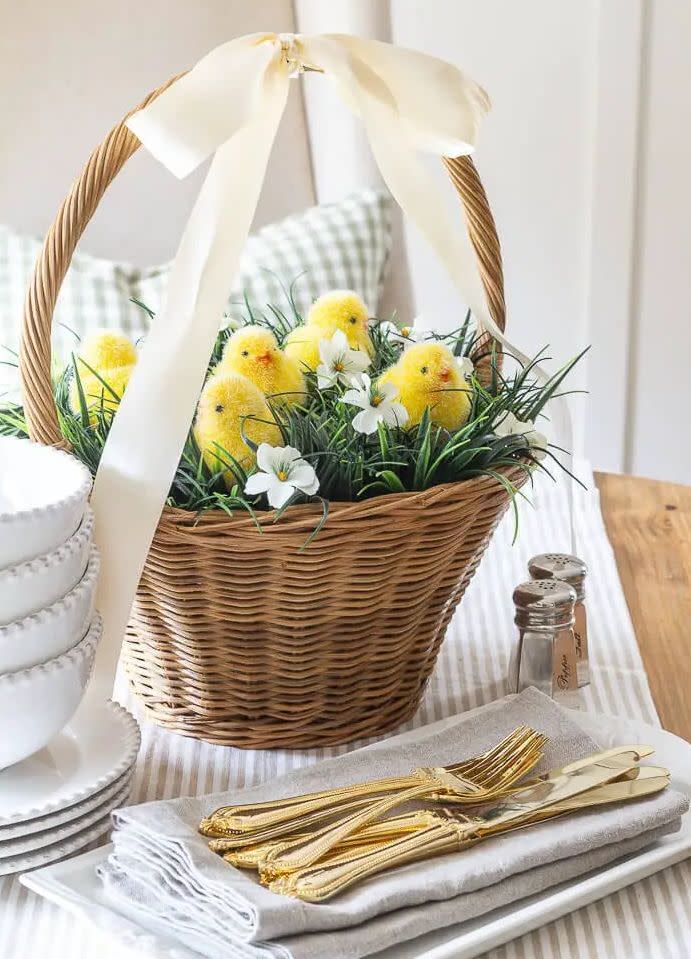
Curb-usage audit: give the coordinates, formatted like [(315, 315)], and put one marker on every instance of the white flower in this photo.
[(232, 323), (510, 425), (376, 403), (338, 362), (405, 335), (281, 472)]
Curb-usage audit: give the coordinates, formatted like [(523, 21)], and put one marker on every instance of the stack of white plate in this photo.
[(58, 801), (48, 637)]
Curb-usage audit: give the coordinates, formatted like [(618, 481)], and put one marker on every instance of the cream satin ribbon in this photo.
[(229, 106)]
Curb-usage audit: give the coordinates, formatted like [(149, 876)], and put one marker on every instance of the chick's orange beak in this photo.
[(444, 374), (265, 357)]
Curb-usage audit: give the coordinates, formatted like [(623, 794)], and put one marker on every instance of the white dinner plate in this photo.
[(55, 819), (21, 845), (57, 850), (95, 748), (74, 885)]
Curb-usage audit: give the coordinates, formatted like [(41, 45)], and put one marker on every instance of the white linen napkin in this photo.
[(161, 869)]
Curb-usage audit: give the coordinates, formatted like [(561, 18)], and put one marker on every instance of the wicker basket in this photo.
[(240, 638)]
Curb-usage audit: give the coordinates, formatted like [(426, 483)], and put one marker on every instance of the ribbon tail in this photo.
[(420, 200), (143, 449)]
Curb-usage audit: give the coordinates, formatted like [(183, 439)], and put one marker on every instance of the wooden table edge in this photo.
[(649, 526)]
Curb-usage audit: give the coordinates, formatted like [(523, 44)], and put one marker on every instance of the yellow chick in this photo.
[(96, 394), (337, 310), (342, 310), (302, 346), (253, 352), (226, 400), (113, 356), (107, 349), (428, 375)]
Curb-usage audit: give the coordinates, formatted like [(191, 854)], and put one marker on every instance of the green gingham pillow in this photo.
[(342, 245), (95, 294), (336, 245)]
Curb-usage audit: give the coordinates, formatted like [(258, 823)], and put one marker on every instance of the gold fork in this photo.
[(265, 820), (450, 830), (493, 780), (438, 783)]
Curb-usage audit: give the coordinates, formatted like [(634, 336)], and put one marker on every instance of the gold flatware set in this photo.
[(316, 845), (513, 757)]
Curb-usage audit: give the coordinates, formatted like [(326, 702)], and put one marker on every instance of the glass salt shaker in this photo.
[(573, 571), (545, 655)]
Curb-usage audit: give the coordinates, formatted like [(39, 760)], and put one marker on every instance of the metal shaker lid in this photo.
[(546, 603), (562, 566)]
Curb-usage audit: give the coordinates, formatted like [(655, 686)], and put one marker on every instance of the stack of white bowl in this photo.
[(48, 636)]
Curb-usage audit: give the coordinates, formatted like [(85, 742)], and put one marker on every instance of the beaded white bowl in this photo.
[(38, 583), (54, 630), (43, 495), (36, 703)]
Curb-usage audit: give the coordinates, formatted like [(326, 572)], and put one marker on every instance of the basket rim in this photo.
[(302, 517)]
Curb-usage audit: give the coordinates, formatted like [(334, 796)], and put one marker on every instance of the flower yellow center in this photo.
[(338, 366), (282, 475), (405, 331), (376, 399)]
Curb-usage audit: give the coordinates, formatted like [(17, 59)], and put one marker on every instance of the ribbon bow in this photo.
[(229, 106)]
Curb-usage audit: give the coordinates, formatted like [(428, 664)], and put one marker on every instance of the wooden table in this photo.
[(649, 525)]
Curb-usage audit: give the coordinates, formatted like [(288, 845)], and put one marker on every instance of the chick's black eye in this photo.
[(245, 352), (219, 407), (424, 369), (353, 320)]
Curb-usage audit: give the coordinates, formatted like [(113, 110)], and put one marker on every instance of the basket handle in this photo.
[(79, 206)]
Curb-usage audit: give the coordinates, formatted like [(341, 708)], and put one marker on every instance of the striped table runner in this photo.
[(648, 920)]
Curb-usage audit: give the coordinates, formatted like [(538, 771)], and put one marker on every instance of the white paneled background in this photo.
[(586, 157)]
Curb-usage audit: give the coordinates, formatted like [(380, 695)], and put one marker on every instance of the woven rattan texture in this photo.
[(240, 637)]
